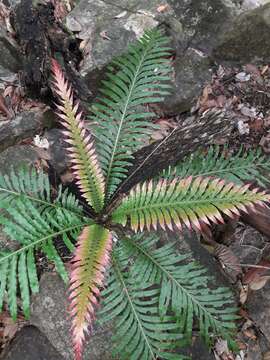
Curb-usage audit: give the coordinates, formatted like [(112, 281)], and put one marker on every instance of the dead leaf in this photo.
[(243, 294), (266, 356), (264, 69), (265, 143), (242, 76), (258, 270), (104, 35), (221, 347), (4, 109), (121, 15), (260, 283), (163, 8), (228, 260), (250, 333)]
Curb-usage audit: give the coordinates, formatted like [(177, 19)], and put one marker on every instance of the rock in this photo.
[(10, 58), (31, 344), (48, 313), (194, 26), (201, 20), (17, 156), (24, 125), (259, 310), (58, 155), (192, 72), (248, 40)]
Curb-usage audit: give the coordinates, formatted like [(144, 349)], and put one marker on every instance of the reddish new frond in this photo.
[(81, 150), (90, 260), (188, 201)]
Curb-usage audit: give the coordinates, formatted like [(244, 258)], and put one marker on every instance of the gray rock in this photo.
[(194, 26), (31, 344), (192, 72), (24, 125), (49, 314), (248, 40), (259, 310), (57, 150), (17, 156), (10, 58)]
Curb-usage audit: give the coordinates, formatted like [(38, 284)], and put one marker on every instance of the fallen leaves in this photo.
[(8, 328)]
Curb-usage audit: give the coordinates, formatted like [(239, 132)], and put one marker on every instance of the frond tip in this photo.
[(187, 201), (82, 151), (91, 257)]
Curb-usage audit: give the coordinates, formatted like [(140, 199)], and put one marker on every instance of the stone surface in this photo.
[(259, 310), (31, 344), (58, 156), (192, 72), (24, 125), (48, 313), (248, 40), (17, 156), (10, 57), (194, 26)]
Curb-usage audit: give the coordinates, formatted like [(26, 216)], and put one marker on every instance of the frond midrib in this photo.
[(36, 242), (168, 274), (228, 170), (183, 203), (44, 202), (121, 279), (108, 177)]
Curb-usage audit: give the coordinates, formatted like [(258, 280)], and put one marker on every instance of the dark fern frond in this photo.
[(141, 334), (240, 167), (135, 79), (184, 287)]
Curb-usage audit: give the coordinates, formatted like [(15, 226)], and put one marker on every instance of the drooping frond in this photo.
[(140, 334), (187, 201), (91, 257), (135, 79), (29, 184), (28, 217), (82, 151), (33, 229), (243, 166), (184, 286)]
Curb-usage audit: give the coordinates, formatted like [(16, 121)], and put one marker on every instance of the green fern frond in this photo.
[(81, 146), (240, 167), (29, 217), (184, 287), (135, 79), (141, 334), (185, 201), (28, 184), (89, 264)]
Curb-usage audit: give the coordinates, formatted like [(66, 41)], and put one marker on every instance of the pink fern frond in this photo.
[(188, 202), (91, 258), (81, 146)]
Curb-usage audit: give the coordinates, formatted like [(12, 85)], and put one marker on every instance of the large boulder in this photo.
[(49, 314), (106, 28), (31, 344), (248, 40), (22, 126)]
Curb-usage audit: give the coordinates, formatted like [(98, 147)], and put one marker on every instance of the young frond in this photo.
[(81, 150), (34, 228), (243, 166), (187, 201), (141, 334), (184, 287), (135, 79), (91, 258)]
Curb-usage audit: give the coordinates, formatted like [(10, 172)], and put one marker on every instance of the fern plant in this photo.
[(153, 294)]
